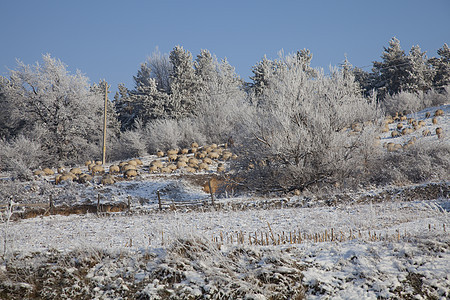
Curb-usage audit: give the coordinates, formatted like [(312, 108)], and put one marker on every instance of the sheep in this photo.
[(166, 170), (184, 151), (172, 151), (214, 146), (203, 166), (132, 162), (190, 170), (128, 167), (234, 157), (399, 126), (91, 166), (107, 179), (85, 178), (426, 132), (97, 169), (390, 147), (403, 118), (123, 163), (183, 158), (207, 160), (99, 162), (76, 171), (157, 163), (181, 164), (138, 161), (201, 154), (130, 173), (439, 132), (385, 129), (395, 134), (159, 153), (38, 173), (114, 169), (194, 150), (213, 155), (193, 160), (63, 177), (194, 145), (172, 167), (153, 168), (438, 113), (61, 170), (427, 115), (422, 123), (88, 162), (172, 157), (226, 155), (48, 171), (220, 169), (411, 121), (434, 120)]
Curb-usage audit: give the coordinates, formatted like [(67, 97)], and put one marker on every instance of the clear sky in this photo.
[(110, 39)]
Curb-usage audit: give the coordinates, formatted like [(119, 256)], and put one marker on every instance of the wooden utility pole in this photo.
[(104, 124)]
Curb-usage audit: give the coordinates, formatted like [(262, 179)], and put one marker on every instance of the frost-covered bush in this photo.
[(411, 102), (296, 136), (20, 155), (423, 161)]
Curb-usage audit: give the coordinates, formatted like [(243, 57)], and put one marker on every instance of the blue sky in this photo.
[(110, 39)]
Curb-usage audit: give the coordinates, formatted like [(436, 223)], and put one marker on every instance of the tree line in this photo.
[(288, 120)]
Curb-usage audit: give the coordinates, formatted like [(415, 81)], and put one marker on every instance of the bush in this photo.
[(21, 155), (296, 136)]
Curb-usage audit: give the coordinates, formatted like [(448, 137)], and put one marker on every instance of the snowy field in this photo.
[(383, 250), (394, 247)]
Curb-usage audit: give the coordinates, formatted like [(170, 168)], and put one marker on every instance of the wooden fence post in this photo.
[(129, 202), (212, 193), (159, 200), (98, 204), (51, 203)]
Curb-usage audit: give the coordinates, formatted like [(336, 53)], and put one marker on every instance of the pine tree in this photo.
[(420, 72), (184, 85), (262, 72), (391, 74), (442, 67)]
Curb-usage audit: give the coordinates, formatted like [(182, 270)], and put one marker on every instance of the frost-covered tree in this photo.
[(391, 73), (420, 72), (184, 85), (56, 108), (160, 68), (296, 137), (261, 74), (441, 65)]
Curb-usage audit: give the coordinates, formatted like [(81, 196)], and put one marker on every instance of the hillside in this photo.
[(113, 241)]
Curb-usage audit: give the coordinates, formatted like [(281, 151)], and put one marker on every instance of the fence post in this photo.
[(51, 203), (98, 204), (159, 200), (129, 202), (212, 194)]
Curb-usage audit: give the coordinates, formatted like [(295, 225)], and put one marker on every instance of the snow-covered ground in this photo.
[(383, 250), (394, 247)]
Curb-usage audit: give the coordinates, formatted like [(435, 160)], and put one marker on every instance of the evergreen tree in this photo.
[(420, 72), (185, 84), (262, 72), (391, 74), (442, 67)]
